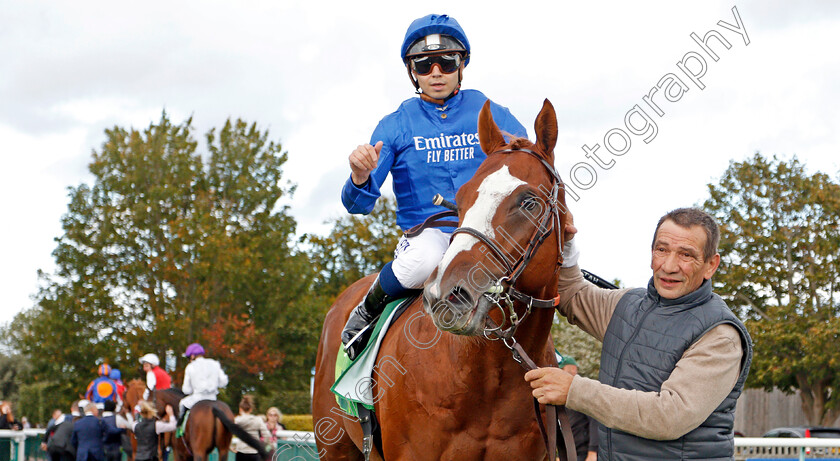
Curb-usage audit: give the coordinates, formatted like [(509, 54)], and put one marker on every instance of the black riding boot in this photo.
[(364, 314)]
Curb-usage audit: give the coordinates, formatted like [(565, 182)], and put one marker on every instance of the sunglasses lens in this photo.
[(448, 63)]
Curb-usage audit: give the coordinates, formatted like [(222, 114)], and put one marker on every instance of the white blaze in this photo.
[(493, 190)]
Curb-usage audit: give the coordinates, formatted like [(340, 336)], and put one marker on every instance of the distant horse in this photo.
[(210, 425), (133, 395), (444, 396)]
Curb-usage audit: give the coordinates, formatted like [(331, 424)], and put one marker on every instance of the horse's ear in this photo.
[(489, 135), (546, 128)]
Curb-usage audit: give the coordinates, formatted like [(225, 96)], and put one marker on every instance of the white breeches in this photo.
[(415, 258)]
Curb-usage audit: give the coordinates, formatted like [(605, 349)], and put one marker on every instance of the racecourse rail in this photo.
[(296, 445)]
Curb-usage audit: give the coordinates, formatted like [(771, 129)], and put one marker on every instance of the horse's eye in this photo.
[(529, 203)]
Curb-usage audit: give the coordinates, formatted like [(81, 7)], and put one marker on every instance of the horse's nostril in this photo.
[(459, 297)]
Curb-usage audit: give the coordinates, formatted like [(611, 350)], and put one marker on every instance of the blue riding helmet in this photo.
[(115, 374), (433, 24)]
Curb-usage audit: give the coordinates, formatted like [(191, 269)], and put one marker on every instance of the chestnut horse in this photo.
[(462, 396), (133, 395)]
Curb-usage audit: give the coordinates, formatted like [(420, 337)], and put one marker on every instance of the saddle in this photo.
[(350, 376)]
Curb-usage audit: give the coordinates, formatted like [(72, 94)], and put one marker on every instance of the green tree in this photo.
[(780, 270), (357, 245), (571, 340), (166, 244)]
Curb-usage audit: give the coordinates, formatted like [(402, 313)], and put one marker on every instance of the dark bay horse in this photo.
[(210, 425), (462, 396)]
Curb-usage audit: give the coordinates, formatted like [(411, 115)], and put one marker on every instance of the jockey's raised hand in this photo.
[(363, 160)]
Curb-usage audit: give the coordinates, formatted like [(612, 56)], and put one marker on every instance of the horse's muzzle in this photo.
[(455, 311)]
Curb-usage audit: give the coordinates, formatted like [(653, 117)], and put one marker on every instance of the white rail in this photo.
[(19, 438), (796, 448), (745, 447)]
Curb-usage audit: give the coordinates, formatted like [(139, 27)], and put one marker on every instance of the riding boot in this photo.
[(179, 430), (355, 336)]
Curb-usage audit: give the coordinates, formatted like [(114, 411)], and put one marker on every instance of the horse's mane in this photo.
[(175, 391)]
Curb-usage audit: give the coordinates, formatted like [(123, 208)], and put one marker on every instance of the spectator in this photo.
[(56, 415), (24, 423), (87, 435), (59, 441), (112, 438), (7, 418), (253, 424), (146, 430), (274, 424)]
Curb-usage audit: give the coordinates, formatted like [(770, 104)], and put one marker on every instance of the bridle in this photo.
[(502, 293)]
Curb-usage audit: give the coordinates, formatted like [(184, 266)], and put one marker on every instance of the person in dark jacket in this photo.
[(59, 443), (146, 430), (111, 438), (674, 357), (88, 433), (7, 418)]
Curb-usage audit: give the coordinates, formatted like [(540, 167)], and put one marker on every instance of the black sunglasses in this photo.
[(448, 63)]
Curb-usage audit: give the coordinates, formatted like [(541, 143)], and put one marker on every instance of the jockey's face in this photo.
[(147, 367), (438, 85)]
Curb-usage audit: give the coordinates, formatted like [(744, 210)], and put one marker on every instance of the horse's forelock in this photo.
[(517, 142)]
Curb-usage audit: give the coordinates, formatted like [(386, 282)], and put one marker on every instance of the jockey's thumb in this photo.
[(377, 147)]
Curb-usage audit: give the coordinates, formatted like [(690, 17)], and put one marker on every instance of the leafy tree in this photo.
[(11, 367), (780, 270), (571, 340), (357, 246), (167, 246)]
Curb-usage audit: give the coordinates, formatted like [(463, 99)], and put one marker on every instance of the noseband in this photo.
[(503, 292)]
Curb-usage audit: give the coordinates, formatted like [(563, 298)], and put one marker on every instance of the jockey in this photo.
[(429, 145), (102, 388), (116, 377), (156, 377), (202, 379)]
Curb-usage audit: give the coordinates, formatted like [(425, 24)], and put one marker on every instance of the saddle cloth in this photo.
[(353, 379)]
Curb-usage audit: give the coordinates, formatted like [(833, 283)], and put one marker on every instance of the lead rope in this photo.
[(554, 413)]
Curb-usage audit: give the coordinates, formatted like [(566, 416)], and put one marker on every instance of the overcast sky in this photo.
[(320, 75)]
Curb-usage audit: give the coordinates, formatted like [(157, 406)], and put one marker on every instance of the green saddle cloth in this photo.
[(353, 380)]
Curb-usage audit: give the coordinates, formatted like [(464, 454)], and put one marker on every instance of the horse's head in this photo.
[(507, 246)]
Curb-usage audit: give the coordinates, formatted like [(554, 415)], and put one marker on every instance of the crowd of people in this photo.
[(97, 427)]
